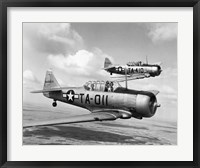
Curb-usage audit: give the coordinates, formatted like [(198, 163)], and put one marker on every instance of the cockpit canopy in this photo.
[(103, 86), (139, 63)]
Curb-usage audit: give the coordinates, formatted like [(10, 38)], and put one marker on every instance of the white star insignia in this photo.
[(70, 96)]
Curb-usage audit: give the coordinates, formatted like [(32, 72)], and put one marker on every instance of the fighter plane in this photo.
[(106, 100), (134, 70)]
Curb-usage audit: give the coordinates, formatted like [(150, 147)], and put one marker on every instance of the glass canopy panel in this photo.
[(102, 86)]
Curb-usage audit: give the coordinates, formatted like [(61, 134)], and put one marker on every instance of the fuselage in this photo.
[(137, 103), (153, 70)]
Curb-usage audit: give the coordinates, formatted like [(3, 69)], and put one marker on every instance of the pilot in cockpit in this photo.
[(92, 86), (106, 86), (111, 86)]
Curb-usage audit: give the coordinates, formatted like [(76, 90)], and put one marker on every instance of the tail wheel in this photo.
[(54, 104)]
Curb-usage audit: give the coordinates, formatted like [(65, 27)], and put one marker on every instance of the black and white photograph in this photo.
[(100, 83)]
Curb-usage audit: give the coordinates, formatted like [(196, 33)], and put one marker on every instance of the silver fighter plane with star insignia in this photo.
[(134, 70), (106, 100)]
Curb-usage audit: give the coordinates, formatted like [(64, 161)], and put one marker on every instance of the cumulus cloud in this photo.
[(28, 75), (82, 63), (29, 79), (55, 38), (162, 32)]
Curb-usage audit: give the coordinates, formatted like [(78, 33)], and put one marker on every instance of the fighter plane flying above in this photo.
[(134, 70), (106, 100)]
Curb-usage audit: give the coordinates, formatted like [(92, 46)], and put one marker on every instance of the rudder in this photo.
[(50, 81), (107, 63)]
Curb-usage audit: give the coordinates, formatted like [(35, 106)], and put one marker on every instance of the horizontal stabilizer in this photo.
[(98, 116), (120, 76), (47, 90)]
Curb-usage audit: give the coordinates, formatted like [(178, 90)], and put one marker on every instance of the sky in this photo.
[(76, 52)]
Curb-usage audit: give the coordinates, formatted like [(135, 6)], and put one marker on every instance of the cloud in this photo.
[(28, 75), (54, 38), (160, 32), (82, 63), (29, 79)]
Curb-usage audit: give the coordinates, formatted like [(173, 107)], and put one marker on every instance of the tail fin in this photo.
[(107, 63), (50, 84), (50, 81)]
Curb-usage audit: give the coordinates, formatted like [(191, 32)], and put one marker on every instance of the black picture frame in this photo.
[(4, 4)]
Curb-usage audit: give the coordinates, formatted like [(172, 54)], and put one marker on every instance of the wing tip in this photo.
[(155, 92), (36, 91)]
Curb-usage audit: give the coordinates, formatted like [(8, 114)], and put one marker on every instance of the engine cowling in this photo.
[(146, 105)]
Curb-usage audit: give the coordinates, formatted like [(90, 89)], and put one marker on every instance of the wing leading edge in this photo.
[(132, 77), (97, 116)]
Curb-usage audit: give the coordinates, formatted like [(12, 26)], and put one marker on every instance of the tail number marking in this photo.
[(98, 99)]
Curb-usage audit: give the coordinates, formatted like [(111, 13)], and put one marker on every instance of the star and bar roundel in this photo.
[(70, 96)]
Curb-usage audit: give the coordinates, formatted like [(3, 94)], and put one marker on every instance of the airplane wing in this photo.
[(120, 76), (96, 116), (155, 92), (133, 77)]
